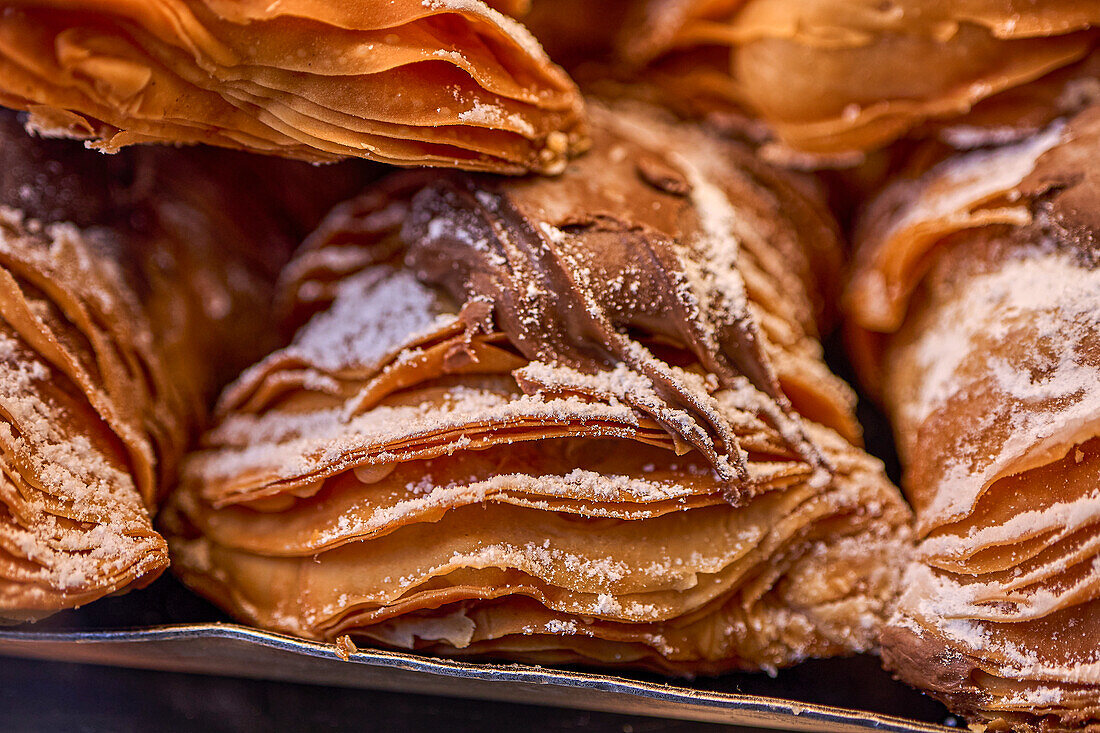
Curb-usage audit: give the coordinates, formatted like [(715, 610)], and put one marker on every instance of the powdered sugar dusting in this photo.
[(375, 313), (477, 8), (1053, 300), (488, 115), (284, 446), (62, 471)]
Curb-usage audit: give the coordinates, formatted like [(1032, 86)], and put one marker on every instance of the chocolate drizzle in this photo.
[(632, 244)]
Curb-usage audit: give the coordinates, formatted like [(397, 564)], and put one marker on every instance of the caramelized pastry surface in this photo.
[(833, 80)]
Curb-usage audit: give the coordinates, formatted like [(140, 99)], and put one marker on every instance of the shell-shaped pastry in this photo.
[(975, 308), (573, 419), (834, 79), (131, 288), (408, 82)]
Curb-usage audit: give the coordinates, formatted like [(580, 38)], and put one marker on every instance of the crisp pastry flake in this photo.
[(836, 79)]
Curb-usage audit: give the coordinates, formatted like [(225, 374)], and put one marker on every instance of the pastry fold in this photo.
[(131, 289), (834, 79), (976, 311), (581, 419), (406, 82)]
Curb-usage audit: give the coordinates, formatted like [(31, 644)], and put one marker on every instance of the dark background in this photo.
[(50, 696)]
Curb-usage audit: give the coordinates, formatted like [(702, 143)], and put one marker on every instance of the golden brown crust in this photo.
[(407, 82)]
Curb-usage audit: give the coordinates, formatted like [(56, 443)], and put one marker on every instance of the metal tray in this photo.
[(165, 627), (230, 649)]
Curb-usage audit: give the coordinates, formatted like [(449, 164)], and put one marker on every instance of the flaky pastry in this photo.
[(834, 79), (411, 82), (581, 419), (131, 288), (976, 316)]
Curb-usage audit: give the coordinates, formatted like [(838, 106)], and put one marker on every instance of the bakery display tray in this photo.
[(165, 627), (230, 649)]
